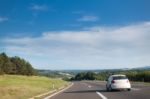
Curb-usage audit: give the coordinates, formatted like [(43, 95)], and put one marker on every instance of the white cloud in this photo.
[(3, 19), (88, 18), (96, 46), (36, 7)]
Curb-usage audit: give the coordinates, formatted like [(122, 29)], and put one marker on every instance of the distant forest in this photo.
[(133, 75), (15, 65)]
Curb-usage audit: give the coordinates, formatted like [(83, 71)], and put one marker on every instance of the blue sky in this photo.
[(76, 34)]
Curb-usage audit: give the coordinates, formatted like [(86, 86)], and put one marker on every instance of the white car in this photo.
[(118, 82)]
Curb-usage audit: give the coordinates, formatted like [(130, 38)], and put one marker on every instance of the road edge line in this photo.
[(59, 91), (43, 94)]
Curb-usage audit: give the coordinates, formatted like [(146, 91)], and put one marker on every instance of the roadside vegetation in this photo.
[(24, 87), (142, 76), (133, 75), (19, 80), (15, 65)]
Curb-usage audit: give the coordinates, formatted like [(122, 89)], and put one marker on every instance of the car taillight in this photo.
[(112, 81)]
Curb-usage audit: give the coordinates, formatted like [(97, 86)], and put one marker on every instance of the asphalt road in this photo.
[(97, 90)]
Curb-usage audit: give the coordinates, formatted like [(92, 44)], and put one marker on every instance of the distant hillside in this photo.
[(143, 68), (15, 65), (61, 73)]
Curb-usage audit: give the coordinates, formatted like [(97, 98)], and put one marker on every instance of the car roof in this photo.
[(117, 75)]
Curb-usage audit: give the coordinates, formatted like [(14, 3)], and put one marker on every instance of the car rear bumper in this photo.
[(126, 86)]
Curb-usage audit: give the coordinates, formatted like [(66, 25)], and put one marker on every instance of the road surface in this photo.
[(97, 90)]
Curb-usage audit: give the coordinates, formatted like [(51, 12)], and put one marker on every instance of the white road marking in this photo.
[(89, 86), (136, 89), (48, 97), (101, 95)]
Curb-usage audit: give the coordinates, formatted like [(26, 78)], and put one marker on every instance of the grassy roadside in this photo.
[(23, 87)]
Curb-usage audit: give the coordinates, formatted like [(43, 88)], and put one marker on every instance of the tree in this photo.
[(6, 65), (15, 65)]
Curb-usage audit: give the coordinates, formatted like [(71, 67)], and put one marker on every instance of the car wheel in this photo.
[(109, 89), (129, 89)]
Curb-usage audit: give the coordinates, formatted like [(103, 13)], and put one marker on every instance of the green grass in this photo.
[(24, 87)]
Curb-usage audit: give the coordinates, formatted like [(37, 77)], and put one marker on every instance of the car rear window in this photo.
[(119, 77)]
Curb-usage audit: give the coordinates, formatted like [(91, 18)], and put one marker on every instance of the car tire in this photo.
[(129, 89), (109, 88)]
